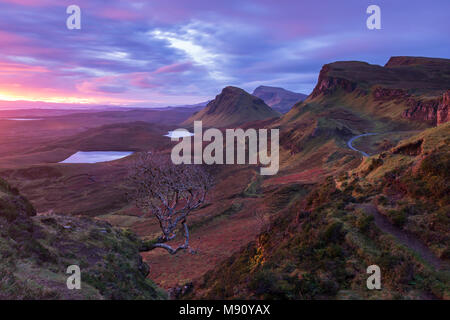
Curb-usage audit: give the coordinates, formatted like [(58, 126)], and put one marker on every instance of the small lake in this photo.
[(96, 156), (178, 134)]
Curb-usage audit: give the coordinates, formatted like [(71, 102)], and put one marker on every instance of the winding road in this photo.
[(401, 236), (350, 143)]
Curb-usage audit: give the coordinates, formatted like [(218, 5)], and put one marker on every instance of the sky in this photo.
[(174, 52)]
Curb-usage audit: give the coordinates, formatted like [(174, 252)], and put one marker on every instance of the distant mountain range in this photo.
[(279, 99), (193, 106), (233, 107)]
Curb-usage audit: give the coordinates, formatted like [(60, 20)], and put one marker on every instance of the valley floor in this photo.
[(228, 224)]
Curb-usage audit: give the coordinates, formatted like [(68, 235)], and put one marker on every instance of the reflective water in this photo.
[(96, 156), (179, 134)]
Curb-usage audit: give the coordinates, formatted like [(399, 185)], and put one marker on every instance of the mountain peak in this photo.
[(230, 89), (279, 99), (233, 106)]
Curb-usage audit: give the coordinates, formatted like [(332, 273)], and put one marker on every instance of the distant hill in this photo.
[(233, 107), (192, 106), (279, 99)]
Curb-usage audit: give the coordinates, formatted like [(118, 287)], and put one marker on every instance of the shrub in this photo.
[(398, 217), (364, 222)]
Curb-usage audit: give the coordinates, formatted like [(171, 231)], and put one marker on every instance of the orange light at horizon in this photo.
[(69, 100), (7, 97)]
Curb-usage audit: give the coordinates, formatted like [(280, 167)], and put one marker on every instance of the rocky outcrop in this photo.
[(328, 84), (422, 110), (410, 149), (406, 88), (442, 113), (435, 111), (13, 206), (385, 94), (111, 265), (417, 82)]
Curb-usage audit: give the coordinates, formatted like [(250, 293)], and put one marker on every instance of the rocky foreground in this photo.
[(35, 252)]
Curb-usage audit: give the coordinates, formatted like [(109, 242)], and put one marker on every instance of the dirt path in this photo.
[(350, 143), (404, 238)]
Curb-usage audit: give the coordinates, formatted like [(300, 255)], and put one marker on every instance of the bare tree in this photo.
[(168, 192)]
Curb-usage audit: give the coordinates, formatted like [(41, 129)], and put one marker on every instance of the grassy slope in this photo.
[(320, 246), (374, 94), (345, 103), (411, 186), (35, 252)]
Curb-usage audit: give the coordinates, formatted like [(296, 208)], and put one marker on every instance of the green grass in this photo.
[(35, 252), (315, 249)]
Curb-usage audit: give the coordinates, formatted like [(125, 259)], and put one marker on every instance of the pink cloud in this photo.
[(98, 84), (117, 83), (174, 68), (120, 14), (7, 38), (30, 3), (141, 80), (7, 68)]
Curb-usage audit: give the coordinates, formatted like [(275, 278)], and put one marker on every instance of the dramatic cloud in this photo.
[(185, 51)]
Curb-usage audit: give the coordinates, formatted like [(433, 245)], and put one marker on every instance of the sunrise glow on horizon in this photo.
[(184, 52)]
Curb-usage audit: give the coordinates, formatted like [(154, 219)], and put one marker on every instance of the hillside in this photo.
[(409, 184), (35, 252), (388, 209), (391, 211), (232, 107), (405, 88), (353, 98), (279, 99)]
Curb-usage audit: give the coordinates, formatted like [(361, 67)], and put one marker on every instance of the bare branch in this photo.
[(169, 193)]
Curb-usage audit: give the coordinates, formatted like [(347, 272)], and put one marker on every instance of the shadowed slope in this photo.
[(232, 107), (279, 99), (35, 252)]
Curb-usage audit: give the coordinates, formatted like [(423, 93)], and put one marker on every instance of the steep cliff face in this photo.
[(327, 84), (435, 111), (443, 109), (422, 110), (414, 88)]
